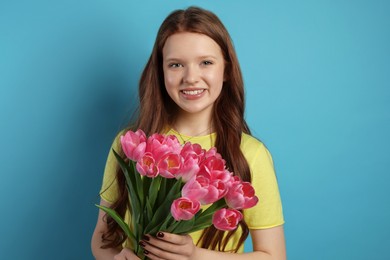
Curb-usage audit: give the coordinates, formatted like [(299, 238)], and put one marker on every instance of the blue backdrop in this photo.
[(317, 79)]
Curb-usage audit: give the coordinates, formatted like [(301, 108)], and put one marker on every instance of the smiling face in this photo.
[(193, 67)]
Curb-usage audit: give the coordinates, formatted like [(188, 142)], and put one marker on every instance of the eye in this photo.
[(207, 62), (174, 65)]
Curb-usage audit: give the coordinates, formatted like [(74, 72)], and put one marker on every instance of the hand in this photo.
[(126, 254), (168, 246)]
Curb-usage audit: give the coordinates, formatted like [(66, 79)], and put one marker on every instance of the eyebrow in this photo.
[(208, 57), (169, 59)]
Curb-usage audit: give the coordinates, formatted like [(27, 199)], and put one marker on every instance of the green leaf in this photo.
[(166, 222), (130, 179), (199, 227), (215, 206), (162, 193), (134, 198), (172, 227), (206, 216), (148, 211), (184, 226), (165, 207), (112, 213), (153, 190), (146, 184), (160, 214), (135, 209), (153, 231), (203, 219), (138, 183)]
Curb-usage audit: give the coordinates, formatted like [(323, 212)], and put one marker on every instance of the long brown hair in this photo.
[(157, 111)]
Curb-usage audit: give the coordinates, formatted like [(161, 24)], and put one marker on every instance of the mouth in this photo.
[(192, 92)]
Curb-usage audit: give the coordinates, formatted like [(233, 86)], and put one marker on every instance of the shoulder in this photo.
[(249, 141), (253, 149), (250, 144)]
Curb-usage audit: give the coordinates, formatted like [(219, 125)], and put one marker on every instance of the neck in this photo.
[(193, 125)]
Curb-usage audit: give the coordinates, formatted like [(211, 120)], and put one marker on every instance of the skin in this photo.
[(192, 62)]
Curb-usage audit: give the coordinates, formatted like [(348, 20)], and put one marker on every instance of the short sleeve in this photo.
[(109, 190), (268, 211)]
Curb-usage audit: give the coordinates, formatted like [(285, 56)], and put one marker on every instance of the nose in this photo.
[(191, 75)]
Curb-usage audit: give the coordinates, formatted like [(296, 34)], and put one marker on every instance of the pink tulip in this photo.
[(193, 189), (184, 208), (188, 169), (192, 155), (221, 186), (241, 195), (169, 165), (173, 142), (159, 145), (234, 181), (201, 189), (214, 169), (146, 166), (212, 152), (193, 150), (156, 148), (226, 219), (134, 144)]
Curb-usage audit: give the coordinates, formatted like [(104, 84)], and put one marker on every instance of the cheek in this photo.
[(216, 78), (170, 80)]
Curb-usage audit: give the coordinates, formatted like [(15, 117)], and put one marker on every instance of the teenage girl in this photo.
[(192, 87)]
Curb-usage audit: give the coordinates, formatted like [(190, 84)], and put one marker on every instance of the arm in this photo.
[(96, 242), (267, 244), (270, 241)]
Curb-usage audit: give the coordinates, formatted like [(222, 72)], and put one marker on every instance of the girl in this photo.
[(192, 87)]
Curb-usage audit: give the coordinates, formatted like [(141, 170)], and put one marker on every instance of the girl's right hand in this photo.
[(126, 254)]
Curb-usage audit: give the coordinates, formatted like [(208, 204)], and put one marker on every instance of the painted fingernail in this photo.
[(146, 252), (146, 238), (160, 234), (142, 244)]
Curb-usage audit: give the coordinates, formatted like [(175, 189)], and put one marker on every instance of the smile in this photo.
[(193, 92)]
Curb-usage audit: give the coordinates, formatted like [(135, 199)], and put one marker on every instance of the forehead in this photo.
[(188, 44)]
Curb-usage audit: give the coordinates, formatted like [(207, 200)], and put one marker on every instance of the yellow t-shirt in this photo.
[(268, 211)]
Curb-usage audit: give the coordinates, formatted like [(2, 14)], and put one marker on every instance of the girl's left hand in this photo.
[(168, 246)]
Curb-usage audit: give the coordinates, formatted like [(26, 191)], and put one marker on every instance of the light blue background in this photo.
[(317, 80)]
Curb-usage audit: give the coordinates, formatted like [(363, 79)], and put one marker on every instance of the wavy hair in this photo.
[(157, 112)]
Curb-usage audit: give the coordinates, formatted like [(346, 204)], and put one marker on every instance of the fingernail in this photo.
[(146, 252), (142, 244), (146, 238), (160, 234)]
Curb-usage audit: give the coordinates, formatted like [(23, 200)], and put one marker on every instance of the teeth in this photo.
[(193, 92)]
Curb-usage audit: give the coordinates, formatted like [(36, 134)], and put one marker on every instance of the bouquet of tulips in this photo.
[(168, 183)]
